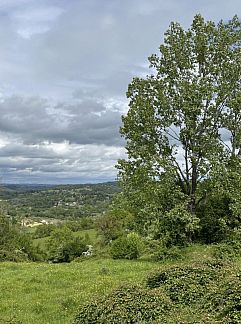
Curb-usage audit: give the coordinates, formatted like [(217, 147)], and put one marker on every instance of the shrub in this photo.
[(184, 283), (15, 245), (227, 250), (179, 226), (119, 248), (232, 302), (14, 255), (225, 299), (127, 247), (113, 224), (126, 304), (44, 230), (63, 246)]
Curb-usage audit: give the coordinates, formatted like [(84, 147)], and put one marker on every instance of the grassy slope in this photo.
[(51, 293)]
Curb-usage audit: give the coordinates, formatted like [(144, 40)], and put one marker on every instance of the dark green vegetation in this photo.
[(179, 209), (197, 292), (58, 202), (127, 304)]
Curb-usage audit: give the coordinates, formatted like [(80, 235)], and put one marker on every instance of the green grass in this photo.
[(50, 293), (91, 233)]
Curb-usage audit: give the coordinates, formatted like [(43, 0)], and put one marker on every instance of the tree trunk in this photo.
[(192, 205)]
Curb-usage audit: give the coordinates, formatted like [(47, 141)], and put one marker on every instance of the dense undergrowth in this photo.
[(197, 292)]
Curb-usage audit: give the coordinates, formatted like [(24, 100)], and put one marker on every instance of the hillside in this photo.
[(63, 201), (54, 293)]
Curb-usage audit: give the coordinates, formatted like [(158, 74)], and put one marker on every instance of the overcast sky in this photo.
[(64, 70)]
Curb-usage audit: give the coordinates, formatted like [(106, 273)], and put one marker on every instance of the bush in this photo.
[(43, 230), (14, 255), (15, 245), (63, 246), (178, 226), (227, 251), (184, 283), (113, 224), (127, 247), (126, 304), (226, 300), (232, 302)]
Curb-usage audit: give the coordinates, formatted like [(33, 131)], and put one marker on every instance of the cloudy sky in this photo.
[(64, 70)]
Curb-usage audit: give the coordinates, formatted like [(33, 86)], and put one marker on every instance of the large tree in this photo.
[(184, 119)]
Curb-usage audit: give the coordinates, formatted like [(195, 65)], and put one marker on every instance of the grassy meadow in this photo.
[(50, 293)]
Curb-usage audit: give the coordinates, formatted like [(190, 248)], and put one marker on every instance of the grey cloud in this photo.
[(64, 74), (84, 122), (77, 161)]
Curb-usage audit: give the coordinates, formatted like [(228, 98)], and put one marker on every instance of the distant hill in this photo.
[(61, 201), (6, 189)]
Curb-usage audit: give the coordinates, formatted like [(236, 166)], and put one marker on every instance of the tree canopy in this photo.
[(183, 127)]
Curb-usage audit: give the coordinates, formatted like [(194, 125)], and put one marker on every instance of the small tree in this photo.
[(127, 247), (114, 223), (63, 246)]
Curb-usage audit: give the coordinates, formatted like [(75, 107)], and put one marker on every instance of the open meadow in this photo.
[(51, 293)]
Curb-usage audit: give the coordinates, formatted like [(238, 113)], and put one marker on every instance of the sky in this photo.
[(65, 66)]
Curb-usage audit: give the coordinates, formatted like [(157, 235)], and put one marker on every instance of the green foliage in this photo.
[(183, 109), (16, 245), (228, 250), (84, 223), (179, 225), (13, 255), (127, 247), (219, 210), (127, 304), (43, 230), (225, 298), (231, 296), (185, 283), (63, 246), (113, 224), (168, 254)]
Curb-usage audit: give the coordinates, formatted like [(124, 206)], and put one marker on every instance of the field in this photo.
[(50, 293)]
